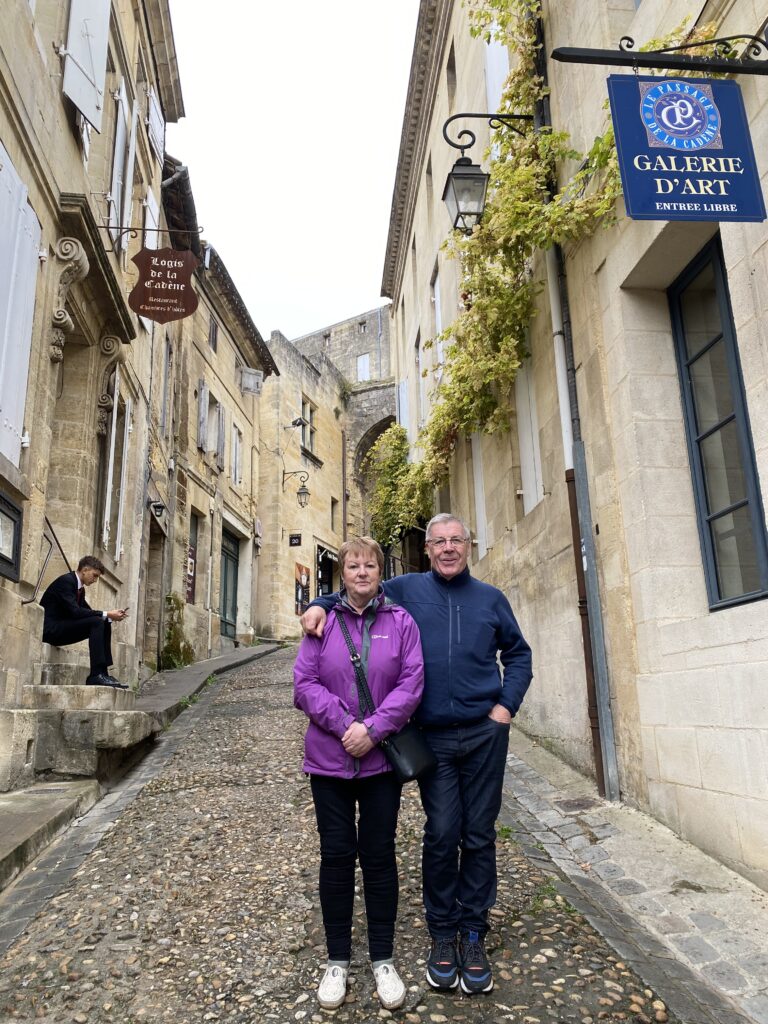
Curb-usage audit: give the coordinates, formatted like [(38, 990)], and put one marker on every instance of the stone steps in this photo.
[(77, 698), (88, 741)]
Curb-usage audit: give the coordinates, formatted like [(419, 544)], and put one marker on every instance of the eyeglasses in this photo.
[(440, 542)]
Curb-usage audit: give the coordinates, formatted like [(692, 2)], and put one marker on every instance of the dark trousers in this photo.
[(342, 841), (462, 799), (98, 633)]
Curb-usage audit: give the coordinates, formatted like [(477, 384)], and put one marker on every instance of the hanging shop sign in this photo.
[(294, 540), (684, 149), (164, 290)]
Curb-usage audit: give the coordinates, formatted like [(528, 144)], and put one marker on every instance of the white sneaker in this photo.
[(333, 987), (389, 987)]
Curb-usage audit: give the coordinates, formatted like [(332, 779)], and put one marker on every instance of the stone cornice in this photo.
[(431, 35), (164, 53)]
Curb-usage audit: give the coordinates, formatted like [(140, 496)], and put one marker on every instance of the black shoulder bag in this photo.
[(407, 751)]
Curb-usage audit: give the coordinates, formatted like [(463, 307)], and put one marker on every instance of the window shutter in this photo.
[(496, 71), (220, 438), (119, 161), (19, 245), (528, 437), (111, 461), (155, 123), (85, 63), (202, 415), (403, 415), (128, 183), (151, 238), (123, 474), (251, 381)]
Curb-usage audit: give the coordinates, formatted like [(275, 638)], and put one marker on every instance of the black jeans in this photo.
[(98, 633), (462, 799), (342, 842)]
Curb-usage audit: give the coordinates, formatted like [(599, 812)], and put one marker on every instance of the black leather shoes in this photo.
[(104, 680)]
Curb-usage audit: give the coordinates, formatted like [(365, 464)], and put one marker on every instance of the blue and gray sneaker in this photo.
[(442, 965), (473, 964)]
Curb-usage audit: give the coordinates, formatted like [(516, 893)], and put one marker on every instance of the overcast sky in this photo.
[(291, 137)]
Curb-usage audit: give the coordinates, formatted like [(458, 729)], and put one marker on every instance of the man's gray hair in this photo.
[(448, 517)]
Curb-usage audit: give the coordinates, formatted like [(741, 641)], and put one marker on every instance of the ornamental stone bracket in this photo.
[(72, 255), (112, 349)]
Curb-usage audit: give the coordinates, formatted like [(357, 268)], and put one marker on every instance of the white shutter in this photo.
[(155, 123), (111, 461), (128, 183), (151, 238), (403, 416), (85, 64), (251, 381), (202, 415), (19, 246), (220, 437), (123, 476), (119, 161), (528, 437), (478, 479)]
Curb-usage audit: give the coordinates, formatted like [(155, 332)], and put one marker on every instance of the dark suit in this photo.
[(67, 621)]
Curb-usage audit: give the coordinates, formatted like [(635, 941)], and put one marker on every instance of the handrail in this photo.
[(30, 600)]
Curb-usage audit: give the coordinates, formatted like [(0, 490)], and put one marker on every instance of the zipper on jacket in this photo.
[(450, 649), (458, 623)]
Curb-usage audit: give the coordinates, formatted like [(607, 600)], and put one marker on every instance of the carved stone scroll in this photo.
[(112, 348), (72, 255)]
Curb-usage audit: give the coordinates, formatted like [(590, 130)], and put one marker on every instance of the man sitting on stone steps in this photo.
[(70, 619)]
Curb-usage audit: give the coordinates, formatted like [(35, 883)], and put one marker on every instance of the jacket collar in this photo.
[(376, 602), (462, 577)]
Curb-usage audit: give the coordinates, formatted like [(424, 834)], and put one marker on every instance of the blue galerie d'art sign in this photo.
[(684, 149)]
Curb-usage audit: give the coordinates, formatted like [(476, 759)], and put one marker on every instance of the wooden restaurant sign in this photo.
[(164, 290)]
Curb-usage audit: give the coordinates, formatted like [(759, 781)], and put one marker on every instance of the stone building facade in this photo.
[(332, 400), (100, 443), (679, 582)]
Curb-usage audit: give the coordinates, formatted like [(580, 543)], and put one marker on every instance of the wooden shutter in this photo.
[(202, 415), (251, 380), (128, 183), (151, 237), (155, 123), (19, 266), (119, 161), (111, 461), (220, 437), (85, 64), (123, 477)]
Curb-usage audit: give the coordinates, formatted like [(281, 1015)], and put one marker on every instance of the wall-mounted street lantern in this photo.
[(302, 495), (467, 183)]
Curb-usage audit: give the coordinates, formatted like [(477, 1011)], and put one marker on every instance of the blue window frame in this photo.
[(726, 488)]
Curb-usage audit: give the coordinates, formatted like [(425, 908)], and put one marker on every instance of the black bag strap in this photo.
[(363, 693)]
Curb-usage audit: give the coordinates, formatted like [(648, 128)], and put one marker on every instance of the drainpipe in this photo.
[(343, 485), (577, 482)]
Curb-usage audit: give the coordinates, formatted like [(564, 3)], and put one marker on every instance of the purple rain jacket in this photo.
[(325, 687)]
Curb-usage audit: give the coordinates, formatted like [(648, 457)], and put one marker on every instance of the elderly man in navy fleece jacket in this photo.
[(465, 712)]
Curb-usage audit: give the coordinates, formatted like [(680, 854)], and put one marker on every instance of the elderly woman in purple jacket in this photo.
[(348, 770)]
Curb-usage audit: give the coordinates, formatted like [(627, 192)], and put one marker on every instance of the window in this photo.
[(437, 318), (237, 455), (210, 423), (308, 428), (123, 157), (430, 190), (450, 78), (728, 506), (478, 480), (364, 366), (334, 515), (19, 266), (496, 71), (114, 468), (10, 538), (155, 123), (213, 333), (194, 531), (151, 238), (362, 327)]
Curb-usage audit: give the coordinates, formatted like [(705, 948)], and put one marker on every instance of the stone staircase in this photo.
[(61, 726)]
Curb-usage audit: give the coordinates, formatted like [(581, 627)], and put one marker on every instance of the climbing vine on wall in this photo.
[(529, 208)]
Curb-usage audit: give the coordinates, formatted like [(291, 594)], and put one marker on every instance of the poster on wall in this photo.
[(684, 148), (302, 588)]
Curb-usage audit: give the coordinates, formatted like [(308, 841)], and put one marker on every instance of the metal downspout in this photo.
[(585, 555)]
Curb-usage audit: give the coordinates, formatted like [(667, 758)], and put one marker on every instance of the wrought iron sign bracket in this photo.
[(492, 120), (117, 240), (722, 61)]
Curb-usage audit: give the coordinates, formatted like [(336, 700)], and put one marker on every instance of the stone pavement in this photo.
[(30, 818), (189, 894)]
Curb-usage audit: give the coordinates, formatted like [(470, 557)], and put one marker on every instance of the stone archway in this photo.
[(360, 477)]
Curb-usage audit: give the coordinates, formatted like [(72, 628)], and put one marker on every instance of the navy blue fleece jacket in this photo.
[(463, 624)]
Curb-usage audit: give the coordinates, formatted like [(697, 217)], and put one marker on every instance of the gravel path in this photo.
[(199, 904)]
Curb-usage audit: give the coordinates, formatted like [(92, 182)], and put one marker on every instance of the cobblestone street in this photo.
[(192, 897)]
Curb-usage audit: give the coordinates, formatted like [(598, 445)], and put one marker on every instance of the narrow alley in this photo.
[(189, 894)]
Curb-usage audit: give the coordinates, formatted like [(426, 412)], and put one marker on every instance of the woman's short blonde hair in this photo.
[(361, 546)]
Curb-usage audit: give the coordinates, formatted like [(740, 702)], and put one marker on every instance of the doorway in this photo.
[(230, 561)]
